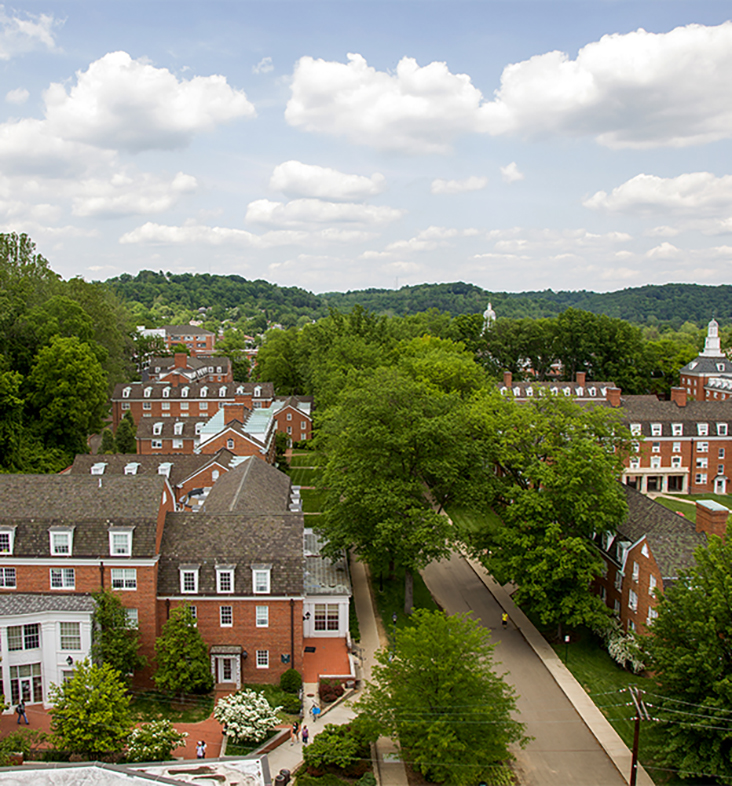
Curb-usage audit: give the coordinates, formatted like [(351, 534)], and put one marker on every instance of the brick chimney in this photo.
[(180, 360), (507, 379), (613, 397), (581, 378), (711, 517), (678, 396)]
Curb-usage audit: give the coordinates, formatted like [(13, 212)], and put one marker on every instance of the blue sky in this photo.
[(350, 144)]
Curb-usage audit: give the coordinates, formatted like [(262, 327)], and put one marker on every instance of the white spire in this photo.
[(712, 345), (489, 317)]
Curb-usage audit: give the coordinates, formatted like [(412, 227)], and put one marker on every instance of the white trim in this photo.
[(231, 598), (8, 559)]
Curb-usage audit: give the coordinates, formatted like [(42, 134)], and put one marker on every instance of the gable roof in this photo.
[(252, 487), (647, 409), (702, 366)]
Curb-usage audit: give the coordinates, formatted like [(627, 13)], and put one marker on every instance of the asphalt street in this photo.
[(563, 751)]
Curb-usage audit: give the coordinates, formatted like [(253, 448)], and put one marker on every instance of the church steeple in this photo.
[(712, 345)]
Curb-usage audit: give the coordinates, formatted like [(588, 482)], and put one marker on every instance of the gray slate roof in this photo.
[(252, 487), (146, 427), (241, 540), (182, 465), (89, 503), (322, 575), (648, 409), (187, 330), (703, 366), (137, 390), (671, 538), (27, 603)]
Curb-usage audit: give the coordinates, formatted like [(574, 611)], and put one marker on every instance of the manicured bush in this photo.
[(291, 681), (343, 748), (330, 690)]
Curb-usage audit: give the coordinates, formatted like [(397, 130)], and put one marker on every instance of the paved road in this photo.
[(564, 752)]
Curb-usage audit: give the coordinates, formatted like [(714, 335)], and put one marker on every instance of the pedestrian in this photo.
[(504, 619), (316, 712), (20, 709), (296, 729), (201, 750), (305, 736)]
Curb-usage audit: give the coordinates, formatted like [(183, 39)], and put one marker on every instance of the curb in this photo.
[(598, 725)]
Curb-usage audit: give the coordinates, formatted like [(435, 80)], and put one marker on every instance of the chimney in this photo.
[(711, 517), (613, 397), (581, 377), (678, 396), (507, 379), (180, 360)]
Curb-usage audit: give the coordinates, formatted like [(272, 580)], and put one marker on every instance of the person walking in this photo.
[(20, 709), (316, 712), (305, 736), (201, 750), (504, 619)]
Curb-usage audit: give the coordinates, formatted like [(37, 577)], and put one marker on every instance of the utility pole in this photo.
[(641, 713)]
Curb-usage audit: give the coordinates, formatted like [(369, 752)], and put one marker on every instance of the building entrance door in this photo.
[(720, 485), (226, 670), (25, 690)]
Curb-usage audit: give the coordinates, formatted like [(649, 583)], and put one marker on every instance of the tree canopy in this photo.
[(115, 641), (182, 656)]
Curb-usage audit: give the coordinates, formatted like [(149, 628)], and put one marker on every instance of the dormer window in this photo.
[(184, 392), (164, 468), (166, 392), (677, 429), (240, 390), (189, 579), (126, 392), (199, 426), (257, 391), (225, 578), (98, 468), (529, 391), (721, 429), (157, 429), (261, 579), (656, 429), (222, 391), (720, 366), (635, 429), (218, 369), (120, 543), (147, 392), (702, 429), (567, 391), (204, 392), (178, 429), (7, 539), (131, 468), (592, 391), (61, 541)]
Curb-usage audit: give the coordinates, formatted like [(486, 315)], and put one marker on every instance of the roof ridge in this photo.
[(244, 476)]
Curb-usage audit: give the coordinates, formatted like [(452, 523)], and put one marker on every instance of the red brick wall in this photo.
[(295, 424), (242, 446), (145, 448)]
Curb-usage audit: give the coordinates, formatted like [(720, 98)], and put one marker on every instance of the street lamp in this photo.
[(566, 649)]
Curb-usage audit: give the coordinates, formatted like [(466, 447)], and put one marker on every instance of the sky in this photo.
[(350, 144)]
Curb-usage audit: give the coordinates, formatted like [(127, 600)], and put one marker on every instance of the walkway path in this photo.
[(564, 752)]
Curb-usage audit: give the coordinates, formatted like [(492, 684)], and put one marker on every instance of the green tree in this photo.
[(108, 444), (115, 641), (91, 713), (154, 741), (688, 647), (182, 656), (436, 691), (68, 394), (556, 485), (11, 419), (126, 436)]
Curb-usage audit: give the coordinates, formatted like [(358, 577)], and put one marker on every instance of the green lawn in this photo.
[(389, 597), (302, 476), (312, 500), (469, 521), (305, 458), (685, 508), (151, 705), (723, 499)]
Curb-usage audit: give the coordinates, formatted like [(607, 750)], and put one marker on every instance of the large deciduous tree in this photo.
[(554, 486), (182, 656), (689, 647), (436, 691), (115, 641)]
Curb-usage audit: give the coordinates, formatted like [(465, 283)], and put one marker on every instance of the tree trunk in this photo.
[(391, 570), (408, 592)]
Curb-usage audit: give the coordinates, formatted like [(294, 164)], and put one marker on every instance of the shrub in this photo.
[(367, 779), (154, 741), (25, 742), (291, 704), (345, 748), (291, 681), (246, 715), (330, 690)]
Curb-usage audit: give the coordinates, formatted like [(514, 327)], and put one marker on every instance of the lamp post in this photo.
[(566, 649)]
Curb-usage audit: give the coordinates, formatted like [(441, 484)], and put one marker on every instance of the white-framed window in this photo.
[(204, 391), (222, 391), (157, 429), (702, 463), (146, 405), (655, 462), (63, 578), (125, 406), (147, 392), (199, 428), (225, 579), (618, 580), (616, 607), (676, 462), (133, 618), (652, 615), (166, 392), (603, 594), (189, 580), (7, 536), (184, 392), (702, 429), (289, 429), (184, 406), (635, 463), (656, 429), (7, 578), (178, 429), (194, 612), (262, 616), (226, 616), (632, 601), (126, 392), (631, 626), (261, 581), (677, 429), (720, 469), (289, 415), (651, 584), (70, 635), (230, 444), (326, 616), (202, 405), (676, 447), (656, 447), (124, 578), (178, 443), (700, 478), (721, 453), (61, 541), (722, 429), (262, 659), (120, 543), (166, 406), (636, 571), (702, 447), (156, 444), (24, 637), (635, 429)]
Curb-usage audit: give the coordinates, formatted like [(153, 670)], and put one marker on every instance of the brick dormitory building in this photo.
[(239, 563)]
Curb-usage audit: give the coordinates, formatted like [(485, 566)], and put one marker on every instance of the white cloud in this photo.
[(301, 212), (662, 231), (414, 110), (25, 34), (130, 195), (635, 90), (692, 194), (473, 183), (308, 180), (510, 173), (264, 66), (18, 96), (123, 103), (663, 251)]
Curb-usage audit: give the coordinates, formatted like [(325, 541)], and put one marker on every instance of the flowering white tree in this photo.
[(246, 715), (154, 741)]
